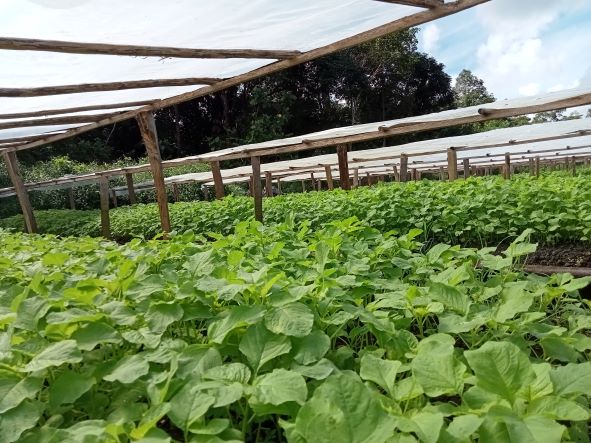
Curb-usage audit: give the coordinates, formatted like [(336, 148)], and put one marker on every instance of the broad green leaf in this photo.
[(343, 409), (542, 385), (213, 427), (232, 372), (27, 388), (436, 368), (55, 259), (381, 372), (311, 348), (261, 346), (293, 319), (451, 297), (236, 317), (196, 359), (427, 425), (161, 315), (504, 428), (93, 334), (318, 371), (407, 389), (544, 430), (463, 427), (188, 406), (572, 379), (501, 368), (149, 420), (557, 408), (515, 299), (56, 354), (128, 369), (68, 387), (278, 387), (17, 420)]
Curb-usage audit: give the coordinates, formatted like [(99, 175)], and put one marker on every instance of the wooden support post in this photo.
[(175, 192), (414, 174), (573, 165), (452, 164), (319, 183), (268, 184), (403, 167), (441, 173), (251, 186), (419, 175), (130, 188), (507, 165), (396, 174), (532, 167), (368, 178), (303, 185), (537, 165), (72, 198), (113, 198), (356, 178), (566, 164), (257, 188), (217, 179), (279, 187), (328, 172), (149, 135), (21, 191), (343, 167), (466, 165), (104, 200)]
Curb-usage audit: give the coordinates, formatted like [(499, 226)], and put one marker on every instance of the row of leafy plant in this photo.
[(478, 211), (284, 333)]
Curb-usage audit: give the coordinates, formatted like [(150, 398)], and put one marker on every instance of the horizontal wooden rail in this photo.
[(54, 121), (418, 3), (48, 112), (27, 44), (549, 270), (102, 87)]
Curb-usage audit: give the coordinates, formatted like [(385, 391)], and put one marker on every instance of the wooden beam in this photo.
[(403, 167), (104, 203), (452, 164), (150, 137), (431, 4), (466, 166), (101, 87), (372, 34), (328, 173), (130, 188), (27, 44), (343, 167), (268, 184), (53, 121), (21, 191), (217, 179), (257, 188), (507, 165), (48, 112)]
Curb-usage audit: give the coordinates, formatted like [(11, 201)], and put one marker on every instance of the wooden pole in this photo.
[(113, 198), (149, 135), (396, 173), (72, 198), (566, 164), (328, 172), (441, 173), (217, 179), (251, 186), (104, 199), (21, 191), (466, 165), (403, 167), (356, 178), (130, 188), (343, 167), (452, 164), (368, 178), (257, 188), (573, 165), (175, 192), (313, 181), (319, 183), (414, 174), (279, 187), (269, 184), (537, 165), (303, 185), (507, 166)]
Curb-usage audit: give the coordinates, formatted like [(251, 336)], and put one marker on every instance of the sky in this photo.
[(518, 47)]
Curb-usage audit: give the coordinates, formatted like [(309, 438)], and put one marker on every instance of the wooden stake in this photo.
[(396, 174), (269, 184), (343, 167), (537, 166), (466, 165), (104, 198), (507, 166), (71, 198), (441, 173), (149, 135), (356, 178), (532, 168), (21, 191), (279, 187), (175, 192), (573, 165), (257, 188), (403, 167), (328, 172), (303, 185), (113, 198), (217, 179), (130, 188), (452, 164)]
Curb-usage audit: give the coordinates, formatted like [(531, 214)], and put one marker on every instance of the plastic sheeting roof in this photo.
[(215, 24)]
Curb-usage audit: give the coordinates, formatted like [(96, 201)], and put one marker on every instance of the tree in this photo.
[(469, 90)]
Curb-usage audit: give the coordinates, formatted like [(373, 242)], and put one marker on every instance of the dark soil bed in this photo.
[(573, 255)]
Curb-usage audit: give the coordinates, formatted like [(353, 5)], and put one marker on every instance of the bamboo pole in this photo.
[(343, 167), (150, 137), (257, 188), (217, 179), (452, 164), (328, 173), (104, 204), (130, 188), (403, 167), (21, 191)]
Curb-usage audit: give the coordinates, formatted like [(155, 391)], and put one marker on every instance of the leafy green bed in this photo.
[(479, 211), (343, 334)]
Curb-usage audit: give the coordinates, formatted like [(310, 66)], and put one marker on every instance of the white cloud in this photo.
[(529, 89), (429, 38)]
